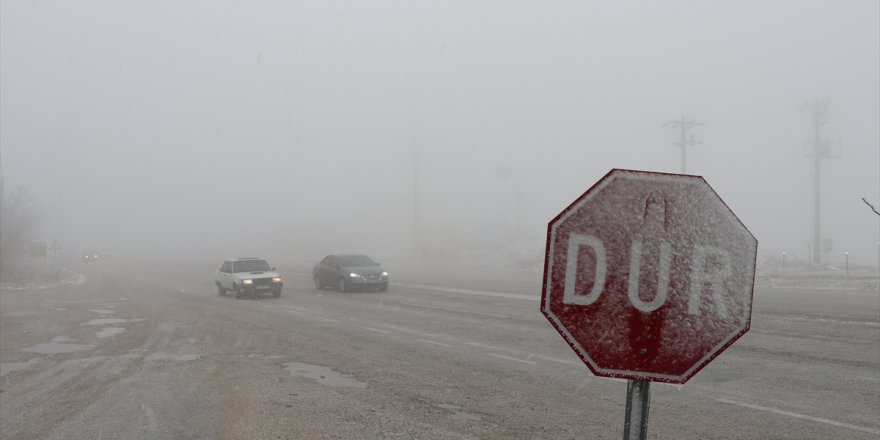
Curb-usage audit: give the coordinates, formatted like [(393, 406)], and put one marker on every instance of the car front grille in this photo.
[(262, 281), (373, 277)]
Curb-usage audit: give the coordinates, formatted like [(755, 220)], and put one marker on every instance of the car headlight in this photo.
[(354, 275), (385, 274), (276, 279), (247, 281)]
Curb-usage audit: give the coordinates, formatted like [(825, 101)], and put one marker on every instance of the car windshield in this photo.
[(250, 266), (355, 261)]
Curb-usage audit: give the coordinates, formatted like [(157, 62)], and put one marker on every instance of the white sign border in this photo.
[(650, 177)]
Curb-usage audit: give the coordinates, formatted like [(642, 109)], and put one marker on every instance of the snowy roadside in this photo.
[(67, 277), (528, 258), (818, 281)]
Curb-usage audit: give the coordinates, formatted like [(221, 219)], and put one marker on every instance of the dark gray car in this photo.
[(350, 272)]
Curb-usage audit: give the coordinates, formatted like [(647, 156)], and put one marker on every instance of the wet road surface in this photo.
[(149, 350)]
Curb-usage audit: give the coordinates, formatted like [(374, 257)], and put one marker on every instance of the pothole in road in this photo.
[(109, 331), (323, 375), (458, 414), (57, 348)]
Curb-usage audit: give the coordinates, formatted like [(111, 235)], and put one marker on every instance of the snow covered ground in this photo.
[(528, 257), (66, 277)]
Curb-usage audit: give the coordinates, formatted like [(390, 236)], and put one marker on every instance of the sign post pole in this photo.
[(638, 401)]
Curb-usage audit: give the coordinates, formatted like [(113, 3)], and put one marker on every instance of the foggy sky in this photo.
[(260, 128)]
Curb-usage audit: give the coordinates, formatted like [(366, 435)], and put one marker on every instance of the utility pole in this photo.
[(3, 187), (415, 227), (821, 150), (684, 125)]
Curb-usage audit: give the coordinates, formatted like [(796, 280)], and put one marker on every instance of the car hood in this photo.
[(365, 270), (258, 274)]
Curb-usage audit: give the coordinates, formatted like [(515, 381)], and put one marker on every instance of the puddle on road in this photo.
[(458, 414), (323, 375), (109, 331), (57, 348), (9, 367), (62, 338), (105, 321)]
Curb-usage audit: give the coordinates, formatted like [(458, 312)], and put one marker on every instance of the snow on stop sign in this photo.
[(648, 276)]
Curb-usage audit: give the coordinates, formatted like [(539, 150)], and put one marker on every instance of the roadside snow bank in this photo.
[(66, 277), (527, 257)]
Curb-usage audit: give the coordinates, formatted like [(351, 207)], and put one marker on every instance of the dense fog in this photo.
[(269, 128)]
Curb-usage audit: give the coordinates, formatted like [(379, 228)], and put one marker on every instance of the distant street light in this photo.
[(783, 262), (847, 262)]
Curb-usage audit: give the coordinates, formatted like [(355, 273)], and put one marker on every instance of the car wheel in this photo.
[(236, 292), (318, 283), (383, 287), (343, 285), (276, 293), (220, 290)]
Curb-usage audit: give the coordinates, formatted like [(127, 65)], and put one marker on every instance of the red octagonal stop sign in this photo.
[(649, 276)]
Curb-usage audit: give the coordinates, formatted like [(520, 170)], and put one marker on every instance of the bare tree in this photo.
[(19, 221), (872, 206)]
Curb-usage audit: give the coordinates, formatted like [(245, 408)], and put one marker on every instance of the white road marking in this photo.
[(433, 342), (561, 361), (384, 332), (326, 319), (493, 315), (489, 347), (512, 359), (539, 356), (841, 290), (801, 416), (834, 321), (472, 292)]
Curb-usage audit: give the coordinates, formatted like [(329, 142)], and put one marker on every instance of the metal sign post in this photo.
[(638, 401)]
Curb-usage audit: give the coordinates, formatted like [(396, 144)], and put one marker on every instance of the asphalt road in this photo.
[(149, 350)]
